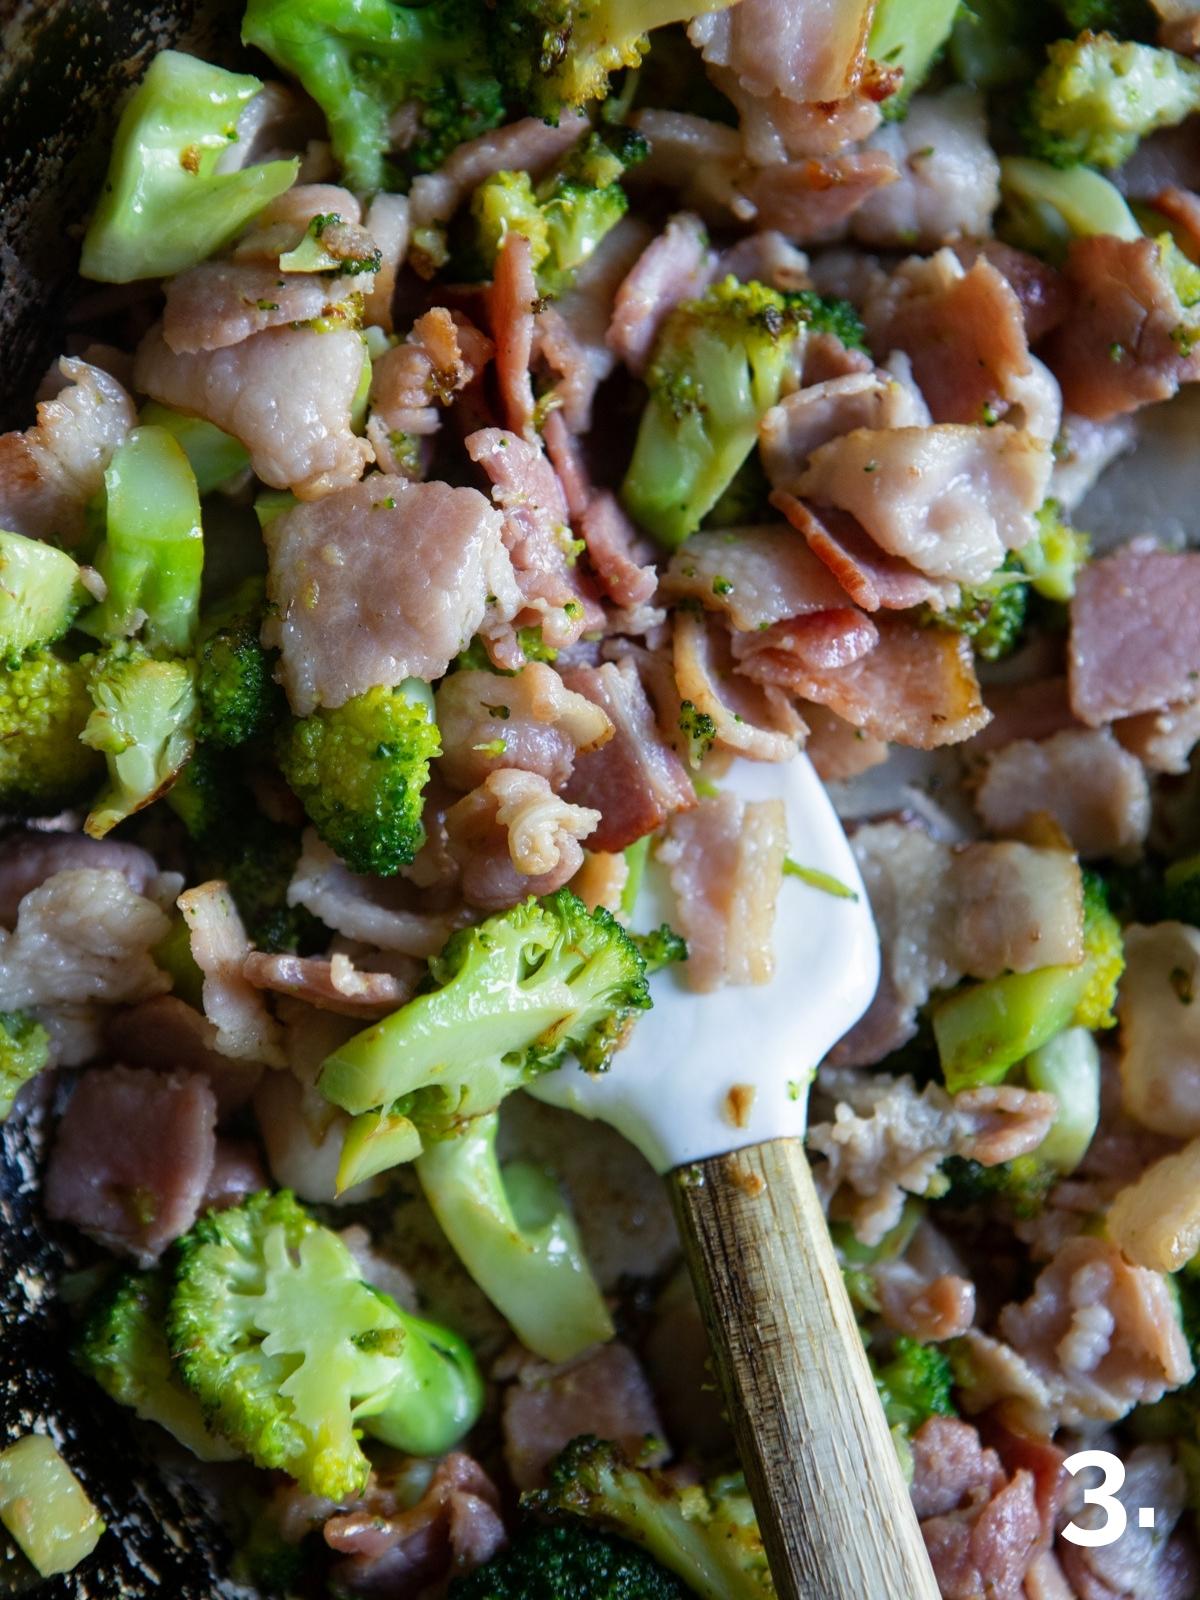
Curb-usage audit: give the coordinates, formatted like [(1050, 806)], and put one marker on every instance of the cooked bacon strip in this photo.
[(330, 984), (28, 858), (511, 302), (413, 382), (513, 836), (873, 579), (811, 201), (245, 1027), (1135, 634), (1032, 710), (1161, 1560), (751, 719), (755, 576), (802, 52), (387, 224), (635, 781), (837, 750), (541, 725), (819, 412), (916, 687), (621, 559), (1162, 741), (822, 641), (166, 1030), (1038, 287), (676, 265), (219, 303), (375, 911)]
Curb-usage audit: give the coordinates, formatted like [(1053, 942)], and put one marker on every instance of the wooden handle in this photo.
[(832, 1504)]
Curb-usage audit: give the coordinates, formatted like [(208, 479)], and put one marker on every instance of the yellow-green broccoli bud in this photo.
[(44, 708), (142, 722), (24, 1052), (239, 698), (1053, 558), (40, 595)]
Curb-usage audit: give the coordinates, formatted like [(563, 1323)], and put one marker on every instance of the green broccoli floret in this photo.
[(123, 1346), (698, 730), (360, 772), (153, 551), (824, 313), (362, 60), (915, 1385), (24, 1052), (569, 1563), (1046, 207), (44, 708), (507, 203), (517, 1239), (239, 699), (40, 595), (1103, 957), (1052, 560), (513, 995), (1098, 96), (909, 36), (1019, 1187), (991, 616), (718, 367), (1128, 19), (142, 722), (290, 1353), (661, 948), (164, 206), (706, 1535), (558, 54)]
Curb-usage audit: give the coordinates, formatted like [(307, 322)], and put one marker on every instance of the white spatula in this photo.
[(832, 1503)]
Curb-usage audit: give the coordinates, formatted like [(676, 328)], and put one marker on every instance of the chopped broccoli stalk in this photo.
[(1019, 1186), (698, 730), (661, 948), (1052, 559), (915, 1385), (45, 1507), (362, 60), (164, 205), (238, 696), (559, 54), (569, 1563), (513, 996), (153, 551), (214, 456), (1045, 207), (984, 1029), (635, 855), (290, 1353), (909, 36), (706, 1535), (123, 1346), (718, 367), (512, 1231), (24, 1052), (1098, 96), (746, 500), (142, 721), (173, 953), (44, 708), (360, 772), (1068, 1067), (991, 616), (40, 594)]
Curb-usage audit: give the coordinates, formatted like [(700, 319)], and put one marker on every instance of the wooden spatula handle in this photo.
[(832, 1503)]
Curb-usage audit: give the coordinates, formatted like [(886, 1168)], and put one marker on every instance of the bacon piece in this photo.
[(635, 781), (132, 1158), (166, 1032), (414, 381), (725, 861), (387, 224), (820, 411), (1038, 287), (811, 201), (916, 687), (330, 984), (1118, 349), (216, 304), (1135, 633), (1096, 791), (755, 720), (28, 858), (813, 52), (513, 837), (510, 305), (375, 911), (756, 576), (245, 1027), (1158, 1562), (678, 264), (237, 1173), (604, 1393), (540, 723), (1032, 710), (873, 579), (837, 750)]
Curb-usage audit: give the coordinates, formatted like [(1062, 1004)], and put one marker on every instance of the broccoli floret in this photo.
[(909, 36), (142, 722), (915, 1385), (290, 1353), (238, 696), (1045, 207), (824, 313), (661, 948), (153, 551), (24, 1052), (1019, 1187), (1128, 19), (506, 203), (164, 206), (708, 1536), (360, 772), (517, 1239), (991, 616), (1052, 560), (698, 730), (1103, 957), (569, 1563), (1098, 96), (123, 1346), (40, 595), (362, 60), (718, 367), (44, 708), (513, 995)]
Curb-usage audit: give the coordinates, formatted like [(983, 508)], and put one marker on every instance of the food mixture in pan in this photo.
[(476, 430)]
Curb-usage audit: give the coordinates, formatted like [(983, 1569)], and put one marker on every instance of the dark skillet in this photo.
[(65, 66)]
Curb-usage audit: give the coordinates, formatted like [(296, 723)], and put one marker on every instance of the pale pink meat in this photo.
[(635, 781), (1162, 741), (246, 1029), (1135, 633), (820, 411), (382, 912), (28, 858), (511, 302), (621, 559), (1029, 710), (540, 725), (873, 579), (756, 576), (329, 983), (286, 394), (822, 641), (1096, 791), (132, 1158), (383, 581), (750, 719), (219, 303), (1037, 286), (810, 52), (513, 837), (165, 1030), (236, 1173), (811, 201), (387, 224), (413, 382), (1155, 1563), (838, 750), (604, 1393), (678, 264)]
